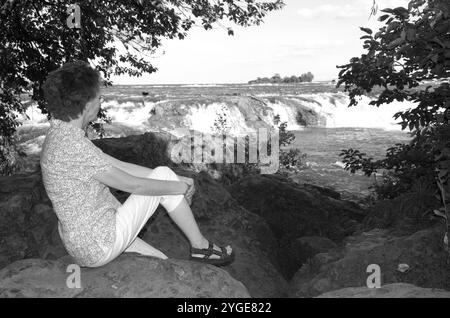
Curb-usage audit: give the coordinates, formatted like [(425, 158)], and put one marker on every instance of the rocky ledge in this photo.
[(130, 275), (399, 290)]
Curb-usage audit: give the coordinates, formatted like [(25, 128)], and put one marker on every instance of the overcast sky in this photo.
[(306, 35)]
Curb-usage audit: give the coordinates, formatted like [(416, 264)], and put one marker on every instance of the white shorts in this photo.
[(134, 213)]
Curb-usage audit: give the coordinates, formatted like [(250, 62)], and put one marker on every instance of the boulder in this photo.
[(347, 265), (300, 250), (294, 210), (304, 114), (148, 149), (130, 275), (398, 290), (27, 221)]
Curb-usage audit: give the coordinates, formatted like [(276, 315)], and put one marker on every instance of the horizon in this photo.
[(261, 84)]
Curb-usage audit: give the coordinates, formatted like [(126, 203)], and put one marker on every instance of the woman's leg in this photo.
[(180, 212), (137, 209), (183, 217), (134, 213), (142, 247)]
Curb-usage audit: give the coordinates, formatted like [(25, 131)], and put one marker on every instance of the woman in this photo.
[(94, 226)]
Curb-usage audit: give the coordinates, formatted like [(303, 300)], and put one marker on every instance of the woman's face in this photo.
[(93, 107)]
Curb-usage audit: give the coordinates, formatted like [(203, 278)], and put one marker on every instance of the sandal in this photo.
[(223, 260)]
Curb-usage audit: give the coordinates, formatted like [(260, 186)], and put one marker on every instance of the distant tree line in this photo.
[(306, 77)]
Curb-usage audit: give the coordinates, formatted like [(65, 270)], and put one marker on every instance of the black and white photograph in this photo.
[(224, 154)]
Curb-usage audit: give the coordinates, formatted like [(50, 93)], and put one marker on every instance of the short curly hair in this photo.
[(69, 88)]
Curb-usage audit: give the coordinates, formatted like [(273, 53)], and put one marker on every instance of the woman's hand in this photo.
[(182, 187), (191, 190)]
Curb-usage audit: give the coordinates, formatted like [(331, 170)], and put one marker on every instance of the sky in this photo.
[(305, 36)]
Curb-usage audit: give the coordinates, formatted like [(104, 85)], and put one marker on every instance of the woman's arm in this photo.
[(130, 168), (140, 171), (121, 180)]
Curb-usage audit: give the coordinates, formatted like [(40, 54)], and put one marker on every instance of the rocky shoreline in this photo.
[(291, 240)]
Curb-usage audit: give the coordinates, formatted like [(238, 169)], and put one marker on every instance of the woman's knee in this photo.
[(165, 172)]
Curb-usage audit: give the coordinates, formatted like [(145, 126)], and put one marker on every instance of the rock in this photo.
[(398, 290), (148, 149), (295, 210), (304, 115), (346, 266), (130, 275), (308, 117), (302, 249), (27, 221), (325, 191)]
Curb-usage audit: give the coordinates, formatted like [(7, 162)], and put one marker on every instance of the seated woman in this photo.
[(94, 226)]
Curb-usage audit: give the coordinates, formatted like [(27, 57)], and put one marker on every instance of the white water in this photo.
[(287, 114), (130, 113), (203, 118), (331, 105), (362, 116)]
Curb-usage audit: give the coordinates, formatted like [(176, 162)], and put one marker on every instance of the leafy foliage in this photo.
[(10, 158), (292, 160), (412, 46), (286, 137), (411, 49), (221, 124)]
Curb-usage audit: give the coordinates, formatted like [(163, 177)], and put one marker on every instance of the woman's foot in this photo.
[(211, 253)]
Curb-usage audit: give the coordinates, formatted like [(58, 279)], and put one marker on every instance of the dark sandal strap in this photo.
[(206, 251), (209, 251), (224, 251)]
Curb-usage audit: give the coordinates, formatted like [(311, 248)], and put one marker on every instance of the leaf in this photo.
[(387, 10), (367, 30), (396, 43), (411, 34), (392, 26), (383, 17)]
